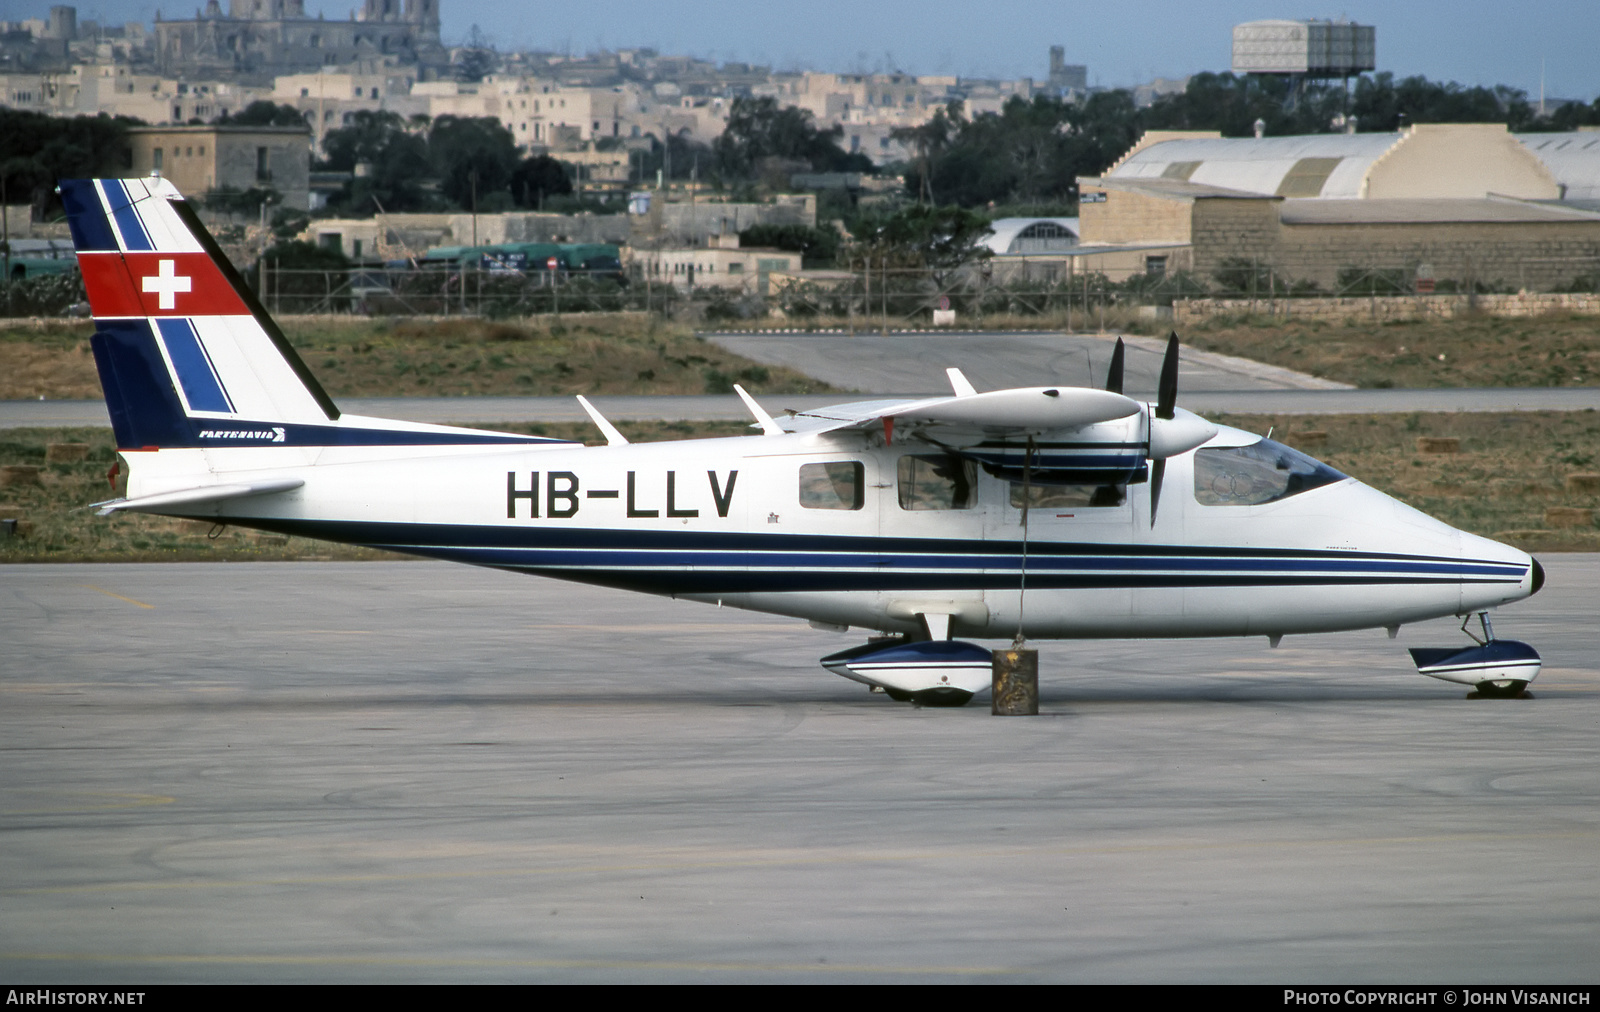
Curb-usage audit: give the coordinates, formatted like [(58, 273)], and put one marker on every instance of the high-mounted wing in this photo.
[(1051, 434), (1026, 409)]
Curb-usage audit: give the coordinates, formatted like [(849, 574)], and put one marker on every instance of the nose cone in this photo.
[(1500, 573)]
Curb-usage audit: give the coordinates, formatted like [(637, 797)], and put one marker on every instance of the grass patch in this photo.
[(1483, 351), (1510, 469), (610, 353)]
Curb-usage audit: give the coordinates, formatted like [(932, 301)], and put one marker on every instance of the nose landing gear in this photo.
[(1497, 669)]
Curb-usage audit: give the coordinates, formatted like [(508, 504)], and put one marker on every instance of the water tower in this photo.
[(1304, 51)]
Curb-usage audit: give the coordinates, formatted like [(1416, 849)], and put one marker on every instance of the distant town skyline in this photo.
[(1474, 42)]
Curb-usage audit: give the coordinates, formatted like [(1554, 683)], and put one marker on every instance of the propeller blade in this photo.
[(1167, 392), (1114, 374), (1158, 471)]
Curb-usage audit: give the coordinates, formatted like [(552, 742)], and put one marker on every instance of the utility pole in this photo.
[(474, 243), (885, 293), (5, 226)]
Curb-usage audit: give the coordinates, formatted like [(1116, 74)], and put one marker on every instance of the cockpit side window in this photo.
[(1262, 472), (942, 482), (833, 485)]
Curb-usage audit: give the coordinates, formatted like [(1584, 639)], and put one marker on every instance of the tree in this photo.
[(309, 276), (40, 149), (537, 178), (243, 201), (1569, 116), (476, 60), (1232, 104), (930, 140), (1025, 153), (935, 239), (263, 113), (817, 246), (391, 158), (1381, 103), (471, 156), (1104, 126), (758, 128), (675, 158), (299, 255)]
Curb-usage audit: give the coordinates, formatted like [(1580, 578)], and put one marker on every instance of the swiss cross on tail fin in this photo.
[(157, 284)]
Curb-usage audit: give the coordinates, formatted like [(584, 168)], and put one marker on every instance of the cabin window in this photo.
[(1262, 472), (944, 482), (833, 485), (1050, 497)]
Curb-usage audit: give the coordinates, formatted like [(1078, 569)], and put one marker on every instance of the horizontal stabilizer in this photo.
[(206, 495)]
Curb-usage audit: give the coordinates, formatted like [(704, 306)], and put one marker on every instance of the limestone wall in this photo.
[(1187, 312)]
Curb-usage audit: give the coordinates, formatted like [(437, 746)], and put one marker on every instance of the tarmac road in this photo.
[(998, 360), (418, 772)]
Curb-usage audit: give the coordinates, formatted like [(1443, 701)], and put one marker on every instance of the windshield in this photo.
[(1262, 472)]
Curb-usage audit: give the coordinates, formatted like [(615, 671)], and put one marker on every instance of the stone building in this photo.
[(201, 160), (263, 38), (720, 263)]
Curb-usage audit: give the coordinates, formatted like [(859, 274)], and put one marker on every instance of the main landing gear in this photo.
[(1497, 669), (929, 672)]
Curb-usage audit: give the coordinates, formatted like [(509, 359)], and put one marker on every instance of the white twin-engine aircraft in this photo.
[(1045, 512)]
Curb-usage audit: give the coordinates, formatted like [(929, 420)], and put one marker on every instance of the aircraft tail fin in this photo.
[(186, 353)]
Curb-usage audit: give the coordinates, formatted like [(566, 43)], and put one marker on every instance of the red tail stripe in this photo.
[(157, 284)]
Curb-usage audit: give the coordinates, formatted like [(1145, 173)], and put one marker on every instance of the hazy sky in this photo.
[(1470, 41)]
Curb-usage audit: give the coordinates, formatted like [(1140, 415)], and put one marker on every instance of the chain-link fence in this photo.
[(877, 298)]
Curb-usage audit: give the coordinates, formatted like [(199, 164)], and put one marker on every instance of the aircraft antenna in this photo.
[(613, 437), (768, 426)]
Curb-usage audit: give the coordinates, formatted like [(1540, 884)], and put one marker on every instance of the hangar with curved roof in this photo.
[(1426, 161), (1014, 236), (1574, 159), (1470, 202)]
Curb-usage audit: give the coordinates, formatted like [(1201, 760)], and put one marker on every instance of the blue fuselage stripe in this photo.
[(665, 562), (664, 558)]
